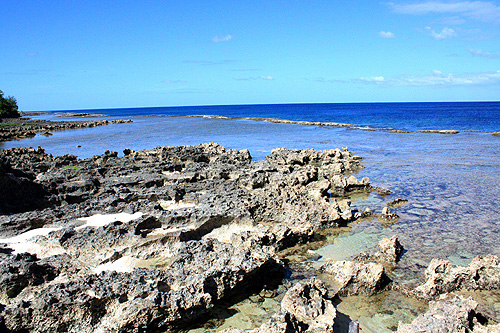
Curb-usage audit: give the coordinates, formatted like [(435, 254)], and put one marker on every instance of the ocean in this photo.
[(451, 181)]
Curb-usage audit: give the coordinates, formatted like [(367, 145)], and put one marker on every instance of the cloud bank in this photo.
[(478, 10), (437, 78)]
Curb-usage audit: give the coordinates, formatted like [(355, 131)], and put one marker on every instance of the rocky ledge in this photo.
[(156, 239), (16, 129)]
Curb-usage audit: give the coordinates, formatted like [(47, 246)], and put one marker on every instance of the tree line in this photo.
[(8, 107)]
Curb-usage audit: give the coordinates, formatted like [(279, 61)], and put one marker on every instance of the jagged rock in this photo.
[(355, 278), (308, 302), (483, 273), (387, 215), (22, 270), (201, 274), (456, 314), (397, 203), (212, 222), (388, 251)]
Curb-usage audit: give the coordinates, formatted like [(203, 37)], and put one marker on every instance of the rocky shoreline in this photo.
[(154, 240), (22, 128)]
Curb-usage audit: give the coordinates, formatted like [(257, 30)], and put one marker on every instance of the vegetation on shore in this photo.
[(8, 107)]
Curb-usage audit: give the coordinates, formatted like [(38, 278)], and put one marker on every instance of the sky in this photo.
[(67, 55)]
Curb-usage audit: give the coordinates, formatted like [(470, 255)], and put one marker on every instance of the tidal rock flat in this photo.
[(154, 240), (157, 237)]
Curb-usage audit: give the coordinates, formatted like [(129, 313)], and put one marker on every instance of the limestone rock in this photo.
[(483, 273), (202, 273), (387, 215), (211, 223), (388, 251), (308, 302), (456, 314), (355, 278)]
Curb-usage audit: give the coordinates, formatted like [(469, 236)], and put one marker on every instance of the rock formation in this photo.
[(158, 237), (387, 252), (483, 273), (450, 314), (27, 128), (355, 278)]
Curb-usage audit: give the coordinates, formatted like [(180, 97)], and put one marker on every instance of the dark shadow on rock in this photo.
[(341, 322)]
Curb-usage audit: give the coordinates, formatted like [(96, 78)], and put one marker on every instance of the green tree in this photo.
[(8, 107)]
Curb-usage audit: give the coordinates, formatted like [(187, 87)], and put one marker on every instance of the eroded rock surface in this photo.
[(483, 273), (451, 314), (387, 252), (356, 278), (187, 227), (200, 274)]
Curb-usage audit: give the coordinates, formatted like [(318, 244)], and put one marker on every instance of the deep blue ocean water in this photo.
[(481, 116)]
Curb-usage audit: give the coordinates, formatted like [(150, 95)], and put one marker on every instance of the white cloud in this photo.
[(438, 78), (481, 53), (209, 62), (373, 79), (446, 33), (477, 10), (218, 39), (174, 81), (386, 34), (451, 20), (323, 80), (262, 77)]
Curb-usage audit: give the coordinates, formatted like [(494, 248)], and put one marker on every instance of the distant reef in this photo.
[(22, 128), (326, 124)]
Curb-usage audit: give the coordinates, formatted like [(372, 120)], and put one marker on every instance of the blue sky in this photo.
[(104, 54)]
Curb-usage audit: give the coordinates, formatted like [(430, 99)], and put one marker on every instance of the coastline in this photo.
[(444, 191), (202, 225)]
